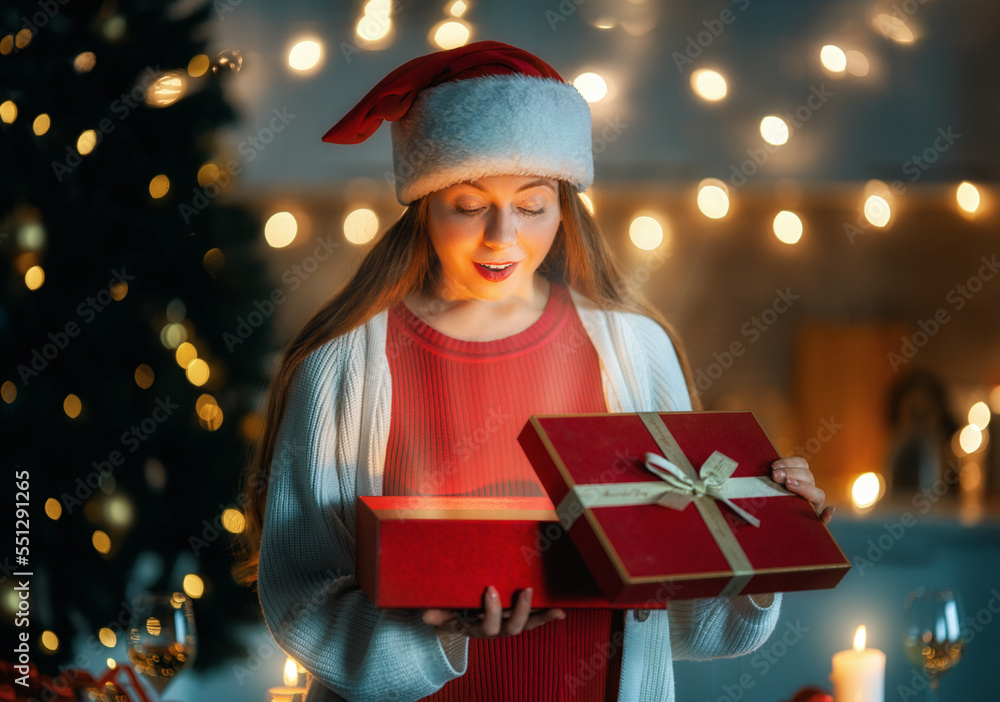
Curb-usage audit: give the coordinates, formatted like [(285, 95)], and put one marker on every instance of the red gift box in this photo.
[(442, 552), (684, 526)]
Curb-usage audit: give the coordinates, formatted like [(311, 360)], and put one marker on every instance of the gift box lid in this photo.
[(648, 543)]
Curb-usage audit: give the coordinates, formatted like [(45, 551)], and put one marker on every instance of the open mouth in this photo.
[(496, 271)]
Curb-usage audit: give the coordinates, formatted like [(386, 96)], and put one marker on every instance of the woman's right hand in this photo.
[(494, 620)]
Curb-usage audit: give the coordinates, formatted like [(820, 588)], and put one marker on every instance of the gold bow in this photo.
[(712, 481)]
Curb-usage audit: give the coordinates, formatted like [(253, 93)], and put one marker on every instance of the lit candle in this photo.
[(859, 675), (286, 694)]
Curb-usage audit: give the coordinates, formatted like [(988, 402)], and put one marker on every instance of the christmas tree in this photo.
[(124, 407)]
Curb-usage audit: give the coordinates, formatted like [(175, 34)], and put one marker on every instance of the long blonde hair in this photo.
[(402, 261)]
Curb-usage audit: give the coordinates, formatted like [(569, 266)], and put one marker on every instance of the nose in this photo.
[(501, 232)]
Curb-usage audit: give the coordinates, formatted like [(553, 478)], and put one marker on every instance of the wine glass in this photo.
[(933, 640), (161, 638)]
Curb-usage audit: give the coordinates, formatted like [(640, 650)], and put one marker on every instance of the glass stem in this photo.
[(932, 690)]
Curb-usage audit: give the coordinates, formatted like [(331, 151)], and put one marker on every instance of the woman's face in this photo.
[(504, 222)]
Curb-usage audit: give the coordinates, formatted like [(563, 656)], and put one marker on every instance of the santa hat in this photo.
[(483, 109)]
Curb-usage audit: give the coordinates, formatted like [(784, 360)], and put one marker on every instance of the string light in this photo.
[(787, 227), (280, 229), (646, 232), (713, 198), (774, 130), (451, 34), (709, 85), (591, 86), (967, 196), (833, 58), (305, 55), (360, 226)]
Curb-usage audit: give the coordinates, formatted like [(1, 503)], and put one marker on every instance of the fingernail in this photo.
[(779, 465), (793, 482), (528, 592), (779, 474), (492, 593)]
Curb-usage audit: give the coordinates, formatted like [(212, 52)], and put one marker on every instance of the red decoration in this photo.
[(65, 686), (392, 97), (645, 552)]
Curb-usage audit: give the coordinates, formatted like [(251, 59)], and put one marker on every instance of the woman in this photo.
[(492, 298)]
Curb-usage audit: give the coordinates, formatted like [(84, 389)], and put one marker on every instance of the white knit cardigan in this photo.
[(331, 448)]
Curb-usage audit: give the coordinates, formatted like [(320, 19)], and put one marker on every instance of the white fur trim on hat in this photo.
[(488, 126)]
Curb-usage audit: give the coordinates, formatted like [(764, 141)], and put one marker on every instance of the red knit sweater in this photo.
[(457, 408)]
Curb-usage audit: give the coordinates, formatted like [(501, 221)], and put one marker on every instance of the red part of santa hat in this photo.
[(482, 109)]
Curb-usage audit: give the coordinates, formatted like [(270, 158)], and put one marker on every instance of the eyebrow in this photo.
[(530, 184)]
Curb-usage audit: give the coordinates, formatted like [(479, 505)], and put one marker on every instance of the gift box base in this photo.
[(442, 552)]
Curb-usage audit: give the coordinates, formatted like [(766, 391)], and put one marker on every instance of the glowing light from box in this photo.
[(967, 195), (360, 226), (787, 227), (305, 55), (774, 130), (646, 232), (280, 229), (713, 198), (866, 490), (877, 210), (970, 439), (708, 84), (833, 58), (451, 34), (592, 86)]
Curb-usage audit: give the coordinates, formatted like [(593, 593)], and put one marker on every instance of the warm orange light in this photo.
[(859, 639)]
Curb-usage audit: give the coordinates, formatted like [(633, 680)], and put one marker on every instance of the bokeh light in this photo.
[(967, 196), (194, 586), (360, 226), (979, 415), (774, 130), (591, 86), (866, 490), (833, 58), (709, 85), (877, 210), (280, 229), (788, 227), (646, 232), (159, 186), (72, 406), (451, 34), (41, 124), (970, 438), (713, 198), (305, 55)]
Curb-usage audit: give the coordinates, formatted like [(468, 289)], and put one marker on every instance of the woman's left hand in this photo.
[(794, 474)]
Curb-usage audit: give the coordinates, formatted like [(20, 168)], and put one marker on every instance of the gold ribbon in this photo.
[(680, 486)]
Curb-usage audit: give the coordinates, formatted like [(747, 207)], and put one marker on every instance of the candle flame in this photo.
[(859, 639), (291, 672)]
